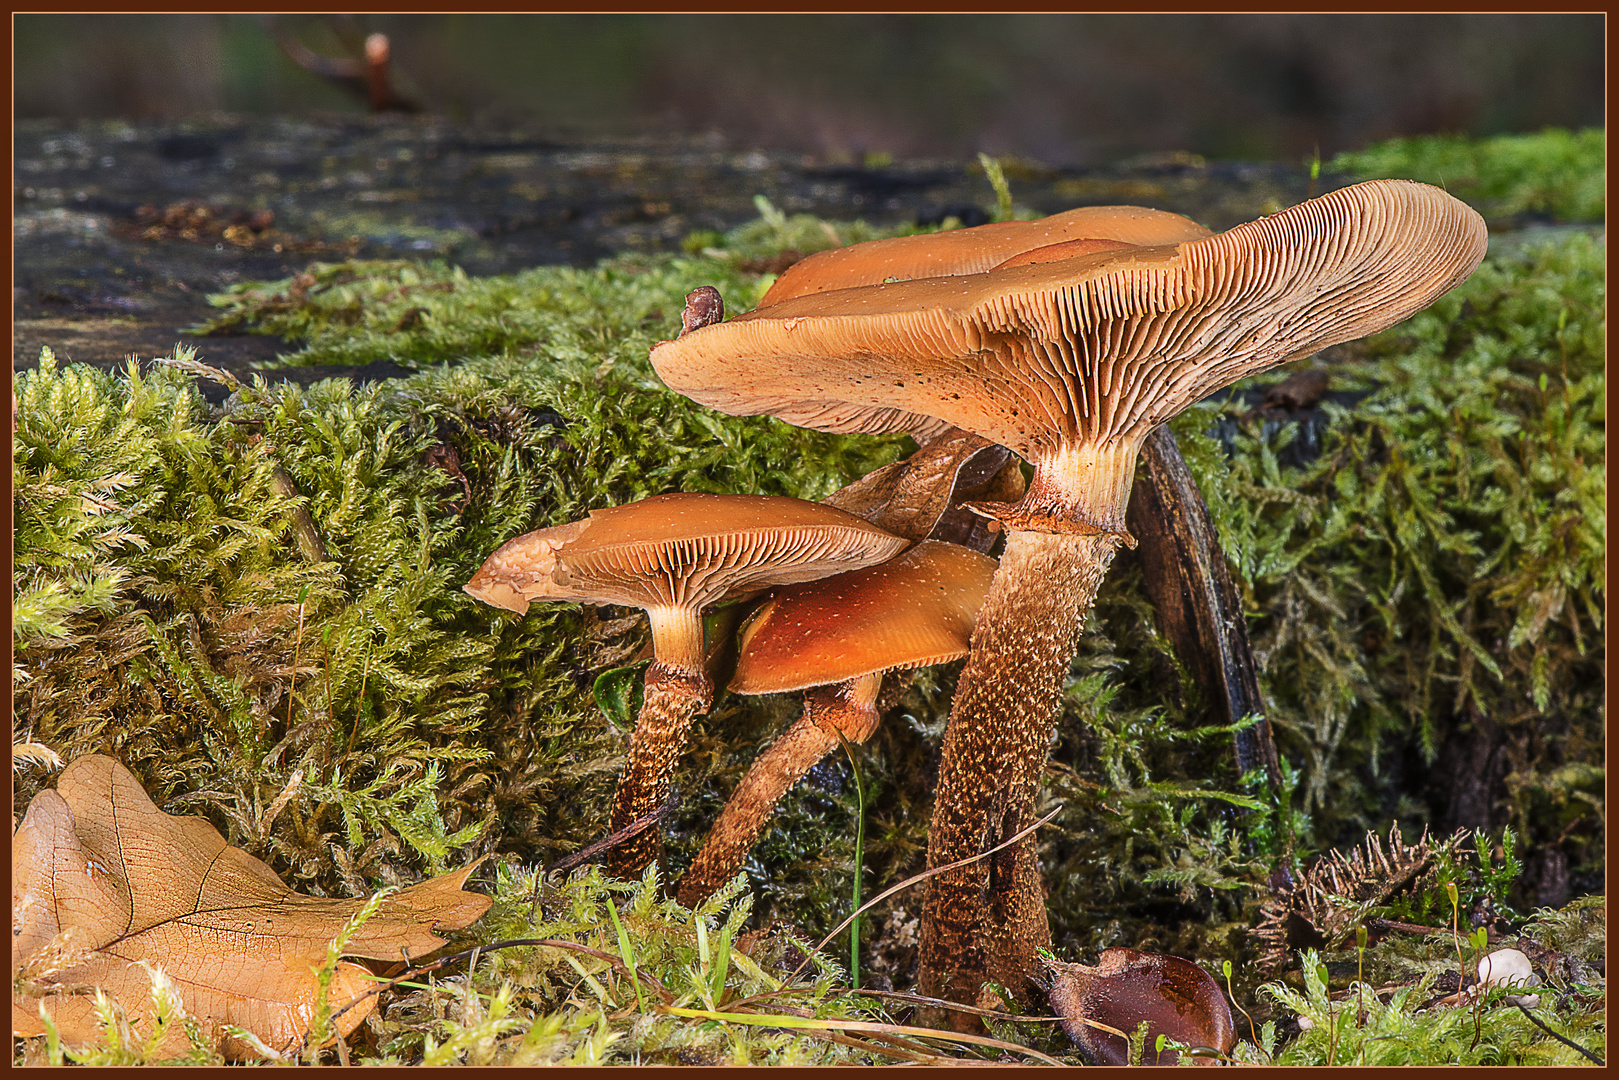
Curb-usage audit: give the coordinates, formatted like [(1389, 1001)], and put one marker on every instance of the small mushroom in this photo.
[(834, 639), (1069, 363), (1174, 996), (673, 556)]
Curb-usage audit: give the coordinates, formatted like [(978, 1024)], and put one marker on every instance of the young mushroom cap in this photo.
[(974, 250), (1055, 360), (682, 549), (915, 610)]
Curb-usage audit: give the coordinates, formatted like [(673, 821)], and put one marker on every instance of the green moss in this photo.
[(417, 315), (182, 662), (1364, 1030), (570, 1007), (1441, 564), (1552, 172)]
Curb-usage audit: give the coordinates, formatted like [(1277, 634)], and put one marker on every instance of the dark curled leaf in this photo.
[(1178, 1000), (618, 693)]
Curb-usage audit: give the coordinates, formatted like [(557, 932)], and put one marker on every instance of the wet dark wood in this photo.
[(1198, 606), (98, 283)]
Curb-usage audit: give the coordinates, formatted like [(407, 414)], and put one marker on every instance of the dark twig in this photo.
[(634, 828), (1404, 927), (941, 1003), (366, 75), (1565, 1041)]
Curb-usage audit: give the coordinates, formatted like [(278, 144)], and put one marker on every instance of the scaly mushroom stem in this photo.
[(849, 708), (673, 700), (985, 920), (677, 690), (793, 754)]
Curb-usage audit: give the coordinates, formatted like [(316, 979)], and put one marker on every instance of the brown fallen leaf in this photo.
[(920, 497), (1177, 998), (102, 881)]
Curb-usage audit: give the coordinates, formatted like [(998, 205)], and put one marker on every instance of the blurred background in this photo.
[(1067, 90)]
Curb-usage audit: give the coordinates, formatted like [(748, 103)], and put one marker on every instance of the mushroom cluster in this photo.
[(1068, 350), (835, 639), (1064, 341), (674, 556)]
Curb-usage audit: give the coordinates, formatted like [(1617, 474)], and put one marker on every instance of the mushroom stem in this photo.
[(673, 699), (1077, 487), (677, 637), (792, 755), (848, 708), (986, 919)]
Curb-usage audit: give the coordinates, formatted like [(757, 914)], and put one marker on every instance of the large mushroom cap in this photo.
[(974, 250), (1047, 354), (680, 550), (914, 610)]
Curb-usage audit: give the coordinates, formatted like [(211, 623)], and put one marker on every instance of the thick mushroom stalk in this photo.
[(677, 691), (674, 556), (1070, 363), (988, 918)]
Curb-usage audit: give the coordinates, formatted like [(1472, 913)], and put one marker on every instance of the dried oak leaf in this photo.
[(103, 881)]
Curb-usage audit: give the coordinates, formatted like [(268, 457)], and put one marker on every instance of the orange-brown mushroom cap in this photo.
[(912, 611), (1055, 359), (974, 250), (680, 550)]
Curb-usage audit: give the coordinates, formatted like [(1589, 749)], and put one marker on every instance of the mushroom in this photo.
[(835, 639), (1070, 363), (980, 248), (673, 556)]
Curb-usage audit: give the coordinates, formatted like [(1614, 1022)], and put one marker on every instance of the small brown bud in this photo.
[(704, 306)]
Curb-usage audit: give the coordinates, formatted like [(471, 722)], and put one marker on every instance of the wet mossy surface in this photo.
[(249, 592)]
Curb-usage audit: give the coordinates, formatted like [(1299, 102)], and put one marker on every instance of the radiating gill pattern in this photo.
[(1112, 355), (705, 570), (845, 418), (1035, 362)]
